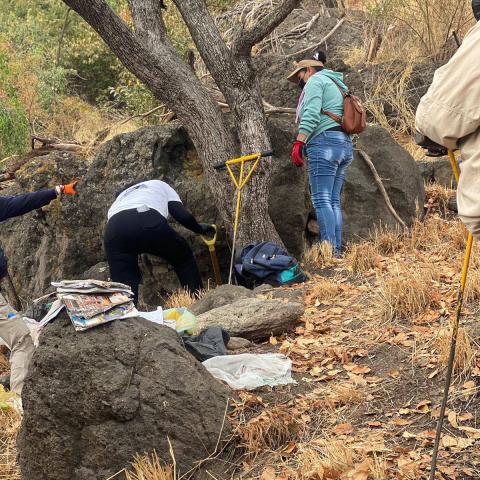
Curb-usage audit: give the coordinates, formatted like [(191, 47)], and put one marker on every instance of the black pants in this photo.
[(130, 233)]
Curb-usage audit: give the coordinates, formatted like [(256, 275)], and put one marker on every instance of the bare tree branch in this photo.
[(206, 36), (246, 39), (148, 21), (170, 79), (381, 187), (323, 40)]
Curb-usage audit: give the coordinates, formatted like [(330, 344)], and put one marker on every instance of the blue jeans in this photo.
[(329, 155)]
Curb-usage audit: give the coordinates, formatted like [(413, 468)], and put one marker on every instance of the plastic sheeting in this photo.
[(248, 371)]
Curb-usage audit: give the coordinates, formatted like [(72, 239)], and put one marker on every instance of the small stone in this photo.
[(238, 343)]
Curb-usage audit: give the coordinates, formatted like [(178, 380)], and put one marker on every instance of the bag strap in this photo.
[(334, 116)]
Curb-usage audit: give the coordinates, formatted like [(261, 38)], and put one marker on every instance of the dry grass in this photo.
[(390, 91), (4, 364), (379, 468), (330, 460), (472, 287), (9, 424), (319, 255), (464, 352), (361, 258), (323, 289), (439, 196), (149, 467), (183, 298), (348, 394), (405, 296), (387, 240), (269, 430)]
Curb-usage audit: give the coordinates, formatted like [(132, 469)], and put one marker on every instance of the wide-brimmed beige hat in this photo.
[(301, 65)]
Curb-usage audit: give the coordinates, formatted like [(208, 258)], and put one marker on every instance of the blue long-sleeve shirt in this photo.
[(14, 206)]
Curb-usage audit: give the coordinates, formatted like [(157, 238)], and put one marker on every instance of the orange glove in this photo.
[(69, 189)]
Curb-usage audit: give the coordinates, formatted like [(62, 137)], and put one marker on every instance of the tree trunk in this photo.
[(147, 52)]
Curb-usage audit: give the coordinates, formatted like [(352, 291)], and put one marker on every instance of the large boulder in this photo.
[(64, 240), (364, 206), (254, 318), (94, 399)]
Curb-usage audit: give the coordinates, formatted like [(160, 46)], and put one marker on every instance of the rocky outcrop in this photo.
[(364, 207), (64, 240), (94, 399), (439, 171), (254, 318)]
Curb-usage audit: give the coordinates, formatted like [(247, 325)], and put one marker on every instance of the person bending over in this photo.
[(138, 223)]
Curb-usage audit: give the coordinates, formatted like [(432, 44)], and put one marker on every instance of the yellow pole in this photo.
[(453, 342)]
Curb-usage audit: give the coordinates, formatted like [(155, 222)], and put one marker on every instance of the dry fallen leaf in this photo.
[(471, 432), (343, 429), (448, 441), (469, 385), (394, 373), (465, 417), (360, 369), (400, 422), (268, 474), (452, 418), (424, 406)]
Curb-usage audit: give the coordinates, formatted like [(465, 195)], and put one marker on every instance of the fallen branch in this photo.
[(324, 39), (381, 187), (269, 109), (4, 177), (273, 109), (55, 144)]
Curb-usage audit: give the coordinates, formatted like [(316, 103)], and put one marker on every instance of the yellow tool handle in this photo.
[(211, 242)]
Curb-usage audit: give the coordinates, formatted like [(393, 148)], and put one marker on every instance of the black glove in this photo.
[(207, 229)]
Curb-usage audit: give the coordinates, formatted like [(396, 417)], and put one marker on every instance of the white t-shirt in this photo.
[(153, 194)]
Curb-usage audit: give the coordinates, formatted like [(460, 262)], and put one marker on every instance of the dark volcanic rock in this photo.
[(364, 206), (94, 399)]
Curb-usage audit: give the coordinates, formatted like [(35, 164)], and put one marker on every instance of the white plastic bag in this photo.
[(248, 371)]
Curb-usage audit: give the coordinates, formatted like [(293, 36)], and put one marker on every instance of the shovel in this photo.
[(210, 243)]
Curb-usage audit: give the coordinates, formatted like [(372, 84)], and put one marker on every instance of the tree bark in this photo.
[(148, 53)]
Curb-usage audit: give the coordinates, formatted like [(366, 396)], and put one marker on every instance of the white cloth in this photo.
[(153, 194)]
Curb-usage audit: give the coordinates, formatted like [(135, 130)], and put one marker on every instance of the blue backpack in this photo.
[(267, 262)]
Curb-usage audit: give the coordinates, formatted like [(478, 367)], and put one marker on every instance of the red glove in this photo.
[(297, 153)]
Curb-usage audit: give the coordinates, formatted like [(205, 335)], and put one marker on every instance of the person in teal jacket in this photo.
[(327, 147)]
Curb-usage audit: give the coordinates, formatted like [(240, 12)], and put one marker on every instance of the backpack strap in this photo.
[(334, 116)]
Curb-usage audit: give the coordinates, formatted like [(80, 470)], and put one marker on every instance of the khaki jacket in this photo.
[(449, 114)]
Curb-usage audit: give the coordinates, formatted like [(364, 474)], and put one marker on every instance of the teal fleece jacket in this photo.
[(320, 93)]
